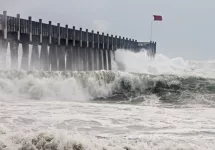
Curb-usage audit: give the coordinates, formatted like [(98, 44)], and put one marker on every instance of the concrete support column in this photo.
[(132, 45), (100, 59), (99, 53), (25, 54), (44, 58), (86, 52), (129, 44), (126, 43), (90, 53), (14, 45), (61, 58), (123, 43), (95, 58), (120, 43), (75, 59), (90, 59), (115, 48), (93, 51), (85, 59), (109, 53), (104, 52), (74, 51), (78, 60), (35, 64), (53, 57), (69, 55), (68, 51), (3, 53), (136, 46), (96, 53), (81, 53), (109, 59), (105, 59), (4, 25)]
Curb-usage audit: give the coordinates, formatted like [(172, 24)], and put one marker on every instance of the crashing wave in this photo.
[(79, 86), (161, 64), (169, 79)]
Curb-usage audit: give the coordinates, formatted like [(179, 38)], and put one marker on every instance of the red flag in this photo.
[(157, 18)]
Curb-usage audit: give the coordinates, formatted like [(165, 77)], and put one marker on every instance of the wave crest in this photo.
[(161, 64), (82, 86)]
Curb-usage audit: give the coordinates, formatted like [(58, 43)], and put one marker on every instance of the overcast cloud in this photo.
[(188, 28)]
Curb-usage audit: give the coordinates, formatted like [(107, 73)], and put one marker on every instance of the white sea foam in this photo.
[(53, 111), (161, 64), (82, 86), (63, 125)]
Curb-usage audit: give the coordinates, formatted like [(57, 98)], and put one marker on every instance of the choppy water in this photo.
[(161, 104)]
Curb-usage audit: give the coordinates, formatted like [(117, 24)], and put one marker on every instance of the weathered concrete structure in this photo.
[(62, 48)]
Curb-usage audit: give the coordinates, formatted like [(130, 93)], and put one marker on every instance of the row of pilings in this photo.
[(55, 57), (59, 48)]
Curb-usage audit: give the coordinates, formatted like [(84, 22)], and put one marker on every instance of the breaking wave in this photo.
[(134, 79), (32, 119), (161, 64), (98, 85)]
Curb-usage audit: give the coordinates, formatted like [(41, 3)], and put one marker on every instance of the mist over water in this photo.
[(161, 64), (143, 103)]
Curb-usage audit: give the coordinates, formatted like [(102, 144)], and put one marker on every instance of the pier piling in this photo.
[(44, 57), (3, 53), (109, 49), (53, 57), (14, 45), (25, 55), (35, 63), (99, 52), (104, 48)]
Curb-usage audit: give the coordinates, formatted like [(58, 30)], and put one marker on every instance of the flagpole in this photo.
[(151, 30)]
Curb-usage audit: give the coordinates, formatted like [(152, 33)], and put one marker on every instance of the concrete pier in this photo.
[(62, 48)]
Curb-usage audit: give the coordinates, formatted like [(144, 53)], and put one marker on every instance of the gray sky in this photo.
[(187, 29)]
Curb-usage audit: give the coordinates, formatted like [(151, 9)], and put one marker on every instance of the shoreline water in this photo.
[(110, 110)]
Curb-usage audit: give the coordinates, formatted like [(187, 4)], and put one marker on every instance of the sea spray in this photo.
[(161, 64), (166, 103), (84, 86)]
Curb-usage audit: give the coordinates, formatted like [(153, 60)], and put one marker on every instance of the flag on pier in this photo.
[(157, 18)]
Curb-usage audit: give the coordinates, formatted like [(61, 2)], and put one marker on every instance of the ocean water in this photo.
[(143, 104)]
